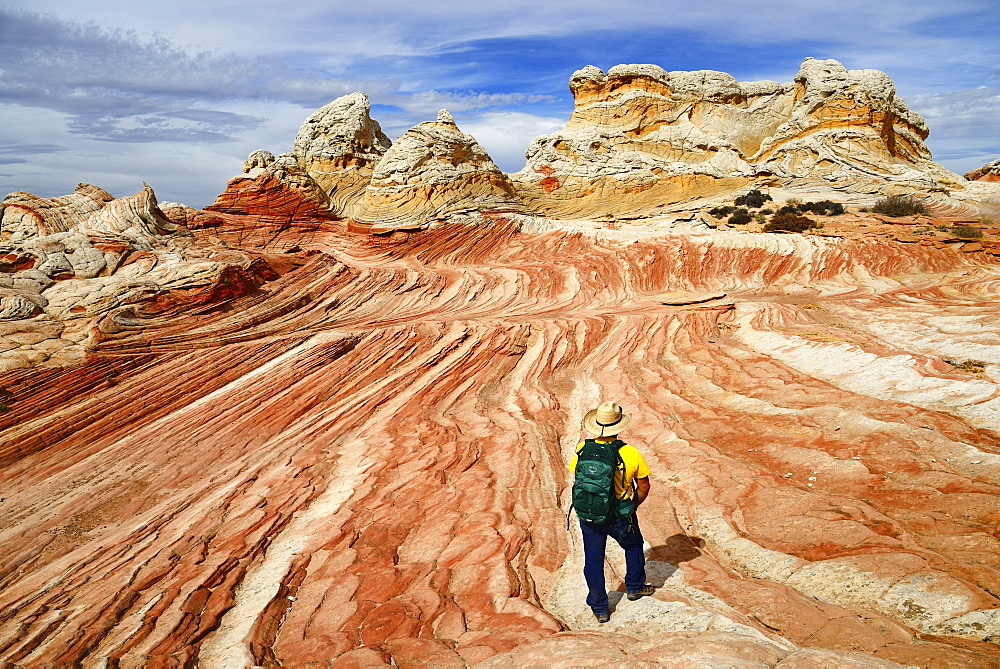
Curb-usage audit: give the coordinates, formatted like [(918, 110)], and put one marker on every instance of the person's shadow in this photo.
[(662, 561)]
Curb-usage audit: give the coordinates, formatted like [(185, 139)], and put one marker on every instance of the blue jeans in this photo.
[(595, 539)]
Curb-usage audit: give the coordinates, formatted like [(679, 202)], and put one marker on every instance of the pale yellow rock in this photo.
[(639, 136), (339, 145), (431, 172)]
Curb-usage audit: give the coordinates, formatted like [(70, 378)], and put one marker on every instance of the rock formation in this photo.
[(431, 172), (257, 435), (990, 172), (338, 146), (88, 209), (642, 136), (279, 188)]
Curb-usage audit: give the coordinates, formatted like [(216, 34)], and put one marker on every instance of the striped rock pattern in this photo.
[(362, 460)]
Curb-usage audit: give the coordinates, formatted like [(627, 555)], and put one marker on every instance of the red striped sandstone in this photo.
[(278, 442), (365, 457)]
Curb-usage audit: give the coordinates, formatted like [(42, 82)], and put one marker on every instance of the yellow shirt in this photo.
[(635, 467)]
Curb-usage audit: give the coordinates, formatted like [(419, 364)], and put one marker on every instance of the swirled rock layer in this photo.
[(362, 459), (989, 172), (88, 209)]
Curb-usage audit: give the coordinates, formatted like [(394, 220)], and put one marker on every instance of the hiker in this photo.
[(601, 464)]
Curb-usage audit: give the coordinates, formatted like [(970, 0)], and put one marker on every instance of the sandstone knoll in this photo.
[(257, 435), (434, 170), (640, 136), (989, 172), (339, 146)]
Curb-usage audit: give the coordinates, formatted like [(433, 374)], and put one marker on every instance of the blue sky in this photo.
[(177, 94)]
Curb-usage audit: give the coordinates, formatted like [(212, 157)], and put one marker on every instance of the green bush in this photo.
[(789, 221), (966, 232), (754, 199), (719, 212), (899, 205), (740, 217)]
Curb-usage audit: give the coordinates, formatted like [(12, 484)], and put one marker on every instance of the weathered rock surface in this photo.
[(363, 457), (434, 170), (339, 146), (279, 189), (88, 210), (640, 136), (256, 435), (990, 172), (115, 268)]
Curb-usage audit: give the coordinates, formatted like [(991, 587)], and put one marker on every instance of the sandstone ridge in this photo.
[(640, 133), (433, 171)]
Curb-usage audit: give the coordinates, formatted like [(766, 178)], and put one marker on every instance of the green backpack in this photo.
[(594, 495)]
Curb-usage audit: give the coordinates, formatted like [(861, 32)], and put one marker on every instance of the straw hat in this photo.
[(607, 420)]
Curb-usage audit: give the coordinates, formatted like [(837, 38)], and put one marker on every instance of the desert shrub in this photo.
[(760, 217), (971, 366), (899, 205), (767, 212), (966, 232), (823, 208), (789, 221), (740, 217), (754, 199), (719, 212), (787, 209)]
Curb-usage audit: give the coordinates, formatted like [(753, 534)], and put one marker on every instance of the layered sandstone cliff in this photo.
[(989, 172), (641, 136)]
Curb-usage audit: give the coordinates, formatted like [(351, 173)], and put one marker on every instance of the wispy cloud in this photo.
[(208, 82), (17, 152)]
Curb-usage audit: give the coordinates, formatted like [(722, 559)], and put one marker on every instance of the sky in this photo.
[(177, 94)]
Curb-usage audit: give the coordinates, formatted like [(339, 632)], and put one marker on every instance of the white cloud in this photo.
[(219, 79), (505, 135)]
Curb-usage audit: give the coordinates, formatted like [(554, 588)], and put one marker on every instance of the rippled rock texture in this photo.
[(325, 421), (357, 455)]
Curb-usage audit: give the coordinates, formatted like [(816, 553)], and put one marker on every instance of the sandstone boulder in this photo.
[(339, 145), (431, 172), (279, 189)]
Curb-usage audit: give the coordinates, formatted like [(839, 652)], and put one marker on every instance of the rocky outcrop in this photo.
[(279, 189), (88, 209), (119, 262), (339, 145), (990, 172), (432, 172), (274, 442), (643, 136)]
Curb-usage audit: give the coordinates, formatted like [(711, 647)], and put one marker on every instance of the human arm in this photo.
[(641, 490)]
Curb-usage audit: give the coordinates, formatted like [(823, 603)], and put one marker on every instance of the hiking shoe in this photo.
[(603, 617), (646, 590)]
